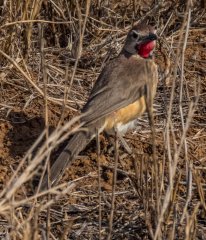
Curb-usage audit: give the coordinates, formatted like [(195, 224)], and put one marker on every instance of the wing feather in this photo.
[(121, 83)]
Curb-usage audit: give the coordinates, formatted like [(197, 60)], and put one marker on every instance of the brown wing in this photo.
[(121, 83)]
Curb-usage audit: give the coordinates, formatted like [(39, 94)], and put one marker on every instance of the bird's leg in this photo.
[(122, 141)]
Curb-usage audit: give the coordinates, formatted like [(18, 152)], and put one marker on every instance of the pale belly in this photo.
[(123, 128)]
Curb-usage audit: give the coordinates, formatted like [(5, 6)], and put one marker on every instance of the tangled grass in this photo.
[(51, 54)]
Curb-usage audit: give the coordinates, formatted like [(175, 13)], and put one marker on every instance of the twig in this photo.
[(113, 186), (99, 182)]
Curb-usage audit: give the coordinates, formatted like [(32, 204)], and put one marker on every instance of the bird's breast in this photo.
[(123, 118)]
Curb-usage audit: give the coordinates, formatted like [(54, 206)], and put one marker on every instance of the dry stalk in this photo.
[(99, 182), (114, 179)]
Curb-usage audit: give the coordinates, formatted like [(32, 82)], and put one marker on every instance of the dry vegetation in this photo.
[(51, 52)]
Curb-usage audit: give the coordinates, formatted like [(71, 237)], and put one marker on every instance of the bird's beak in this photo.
[(148, 38), (152, 36)]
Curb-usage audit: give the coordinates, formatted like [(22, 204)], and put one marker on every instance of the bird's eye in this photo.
[(134, 34)]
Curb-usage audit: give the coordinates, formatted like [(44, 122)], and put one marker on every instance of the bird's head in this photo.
[(141, 40)]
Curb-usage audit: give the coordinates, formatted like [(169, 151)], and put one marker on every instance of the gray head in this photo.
[(140, 38)]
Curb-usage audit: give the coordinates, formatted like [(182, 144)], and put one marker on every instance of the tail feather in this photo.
[(77, 143)]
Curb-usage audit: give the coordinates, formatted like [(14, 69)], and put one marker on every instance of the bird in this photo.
[(124, 90)]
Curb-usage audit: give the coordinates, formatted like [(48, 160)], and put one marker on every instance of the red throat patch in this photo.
[(145, 49)]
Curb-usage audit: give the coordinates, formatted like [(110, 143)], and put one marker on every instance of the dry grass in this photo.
[(51, 54)]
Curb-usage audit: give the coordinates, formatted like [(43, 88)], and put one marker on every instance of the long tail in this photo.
[(77, 143)]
